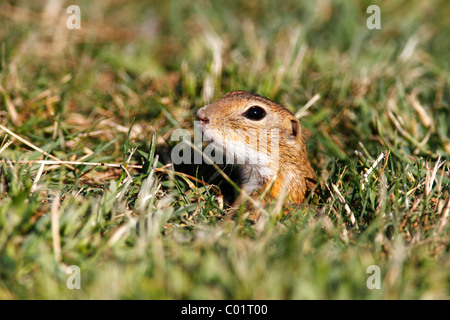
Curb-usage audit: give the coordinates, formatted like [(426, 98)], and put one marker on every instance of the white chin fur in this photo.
[(236, 152), (256, 167)]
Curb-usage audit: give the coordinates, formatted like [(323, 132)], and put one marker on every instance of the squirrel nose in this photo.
[(202, 116)]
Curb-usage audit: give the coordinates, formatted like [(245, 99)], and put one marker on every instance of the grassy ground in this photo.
[(115, 90)]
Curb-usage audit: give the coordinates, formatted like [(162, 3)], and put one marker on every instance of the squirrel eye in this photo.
[(255, 113)]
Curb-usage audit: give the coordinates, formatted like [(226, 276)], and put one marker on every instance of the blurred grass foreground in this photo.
[(108, 82)]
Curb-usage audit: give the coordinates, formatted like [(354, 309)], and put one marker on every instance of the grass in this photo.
[(115, 90)]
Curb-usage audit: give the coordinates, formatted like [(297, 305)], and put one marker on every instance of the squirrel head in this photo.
[(260, 136)]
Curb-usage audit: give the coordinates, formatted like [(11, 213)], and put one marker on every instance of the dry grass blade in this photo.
[(444, 218), (303, 111), (10, 107), (346, 207), (431, 175), (6, 145), (33, 146), (423, 115), (38, 177), (81, 163), (56, 239), (374, 165)]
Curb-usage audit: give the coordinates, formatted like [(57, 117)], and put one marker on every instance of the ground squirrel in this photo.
[(265, 140)]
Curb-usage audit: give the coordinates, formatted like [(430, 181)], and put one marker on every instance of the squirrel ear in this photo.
[(296, 129)]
